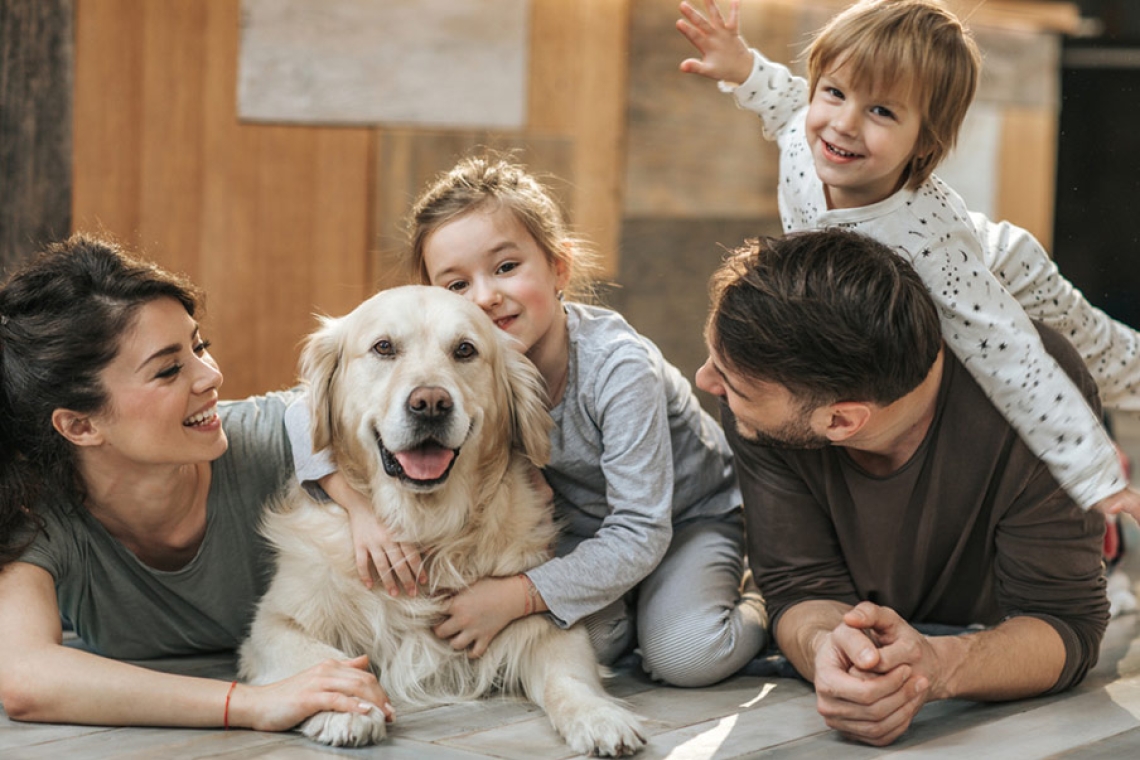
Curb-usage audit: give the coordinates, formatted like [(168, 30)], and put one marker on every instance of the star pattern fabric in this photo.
[(987, 328)]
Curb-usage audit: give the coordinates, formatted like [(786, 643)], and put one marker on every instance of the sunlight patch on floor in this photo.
[(768, 687), (704, 745)]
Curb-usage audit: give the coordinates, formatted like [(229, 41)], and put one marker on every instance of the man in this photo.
[(883, 491)]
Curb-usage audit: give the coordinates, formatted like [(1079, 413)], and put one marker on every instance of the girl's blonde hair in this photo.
[(490, 182), (916, 45)]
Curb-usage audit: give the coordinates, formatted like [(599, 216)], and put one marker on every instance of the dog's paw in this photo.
[(346, 729), (605, 729)]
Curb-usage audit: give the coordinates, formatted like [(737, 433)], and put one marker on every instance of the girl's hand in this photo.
[(377, 554), (332, 686), (724, 53), (477, 613)]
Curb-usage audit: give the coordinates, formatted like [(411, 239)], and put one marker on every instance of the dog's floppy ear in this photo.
[(320, 358), (530, 420)]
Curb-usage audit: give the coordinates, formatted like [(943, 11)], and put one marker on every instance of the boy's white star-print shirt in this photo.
[(982, 322)]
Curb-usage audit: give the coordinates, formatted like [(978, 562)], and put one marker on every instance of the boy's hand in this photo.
[(724, 53), (1125, 500), (378, 555)]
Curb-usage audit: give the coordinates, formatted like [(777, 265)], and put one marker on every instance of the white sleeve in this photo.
[(310, 465), (1110, 350), (771, 92), (993, 337)]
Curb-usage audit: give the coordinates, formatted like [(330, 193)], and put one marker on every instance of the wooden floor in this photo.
[(745, 717)]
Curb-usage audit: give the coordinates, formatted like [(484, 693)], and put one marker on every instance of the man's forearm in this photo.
[(802, 626), (1022, 657)]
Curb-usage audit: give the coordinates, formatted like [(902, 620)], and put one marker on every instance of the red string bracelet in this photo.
[(530, 602), (226, 714)]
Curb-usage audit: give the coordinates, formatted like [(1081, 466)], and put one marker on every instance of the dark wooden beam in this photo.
[(36, 54)]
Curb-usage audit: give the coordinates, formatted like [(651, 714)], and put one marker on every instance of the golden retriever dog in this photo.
[(428, 410)]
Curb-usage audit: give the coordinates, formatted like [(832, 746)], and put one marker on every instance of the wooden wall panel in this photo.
[(107, 114), (578, 89), (35, 125), (1026, 188), (692, 154), (273, 222), (406, 161), (574, 138)]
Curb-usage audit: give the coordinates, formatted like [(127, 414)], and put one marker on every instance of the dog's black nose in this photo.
[(429, 402)]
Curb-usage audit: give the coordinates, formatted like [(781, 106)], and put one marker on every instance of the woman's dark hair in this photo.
[(831, 315), (62, 317)]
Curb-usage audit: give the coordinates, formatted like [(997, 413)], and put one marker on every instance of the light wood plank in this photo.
[(577, 89), (691, 153), (170, 201), (1027, 170), (107, 113)]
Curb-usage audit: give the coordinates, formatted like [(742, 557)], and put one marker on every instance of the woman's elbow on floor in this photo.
[(18, 702)]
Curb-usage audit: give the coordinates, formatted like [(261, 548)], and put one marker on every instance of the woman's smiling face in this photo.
[(162, 389)]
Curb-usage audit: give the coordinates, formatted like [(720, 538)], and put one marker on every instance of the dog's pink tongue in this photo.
[(427, 463)]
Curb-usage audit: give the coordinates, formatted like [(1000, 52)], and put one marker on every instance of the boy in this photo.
[(890, 82)]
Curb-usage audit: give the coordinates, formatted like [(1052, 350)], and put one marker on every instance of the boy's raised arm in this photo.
[(724, 53)]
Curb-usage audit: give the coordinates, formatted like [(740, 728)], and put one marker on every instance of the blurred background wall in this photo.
[(130, 111)]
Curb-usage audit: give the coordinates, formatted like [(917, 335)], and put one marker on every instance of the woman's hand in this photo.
[(332, 686)]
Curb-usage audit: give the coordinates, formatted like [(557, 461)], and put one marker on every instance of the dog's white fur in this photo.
[(371, 375)]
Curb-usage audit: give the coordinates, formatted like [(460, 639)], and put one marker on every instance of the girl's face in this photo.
[(489, 257), (163, 392), (861, 141)]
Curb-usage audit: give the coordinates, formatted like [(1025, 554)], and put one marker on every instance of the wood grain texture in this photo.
[(426, 63), (748, 716), (577, 89), (691, 153), (272, 222), (36, 52), (1027, 170)]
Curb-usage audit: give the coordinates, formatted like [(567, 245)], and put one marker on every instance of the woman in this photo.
[(129, 503)]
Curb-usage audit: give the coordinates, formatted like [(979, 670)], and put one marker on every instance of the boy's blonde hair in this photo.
[(489, 182), (916, 45)]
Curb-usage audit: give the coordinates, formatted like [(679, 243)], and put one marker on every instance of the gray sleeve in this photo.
[(631, 418), (310, 465), (53, 548)]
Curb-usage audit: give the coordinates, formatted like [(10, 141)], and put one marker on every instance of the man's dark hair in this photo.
[(832, 315)]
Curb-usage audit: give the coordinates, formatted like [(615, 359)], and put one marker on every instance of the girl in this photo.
[(651, 548), (129, 504)]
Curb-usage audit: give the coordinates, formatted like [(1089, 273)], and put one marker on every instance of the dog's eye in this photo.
[(384, 347), (466, 350)]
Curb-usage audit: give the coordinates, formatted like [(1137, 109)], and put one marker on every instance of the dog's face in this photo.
[(415, 382)]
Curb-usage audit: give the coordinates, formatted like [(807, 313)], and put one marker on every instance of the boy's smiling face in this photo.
[(861, 139)]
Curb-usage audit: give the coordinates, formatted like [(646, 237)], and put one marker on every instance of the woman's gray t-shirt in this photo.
[(125, 609)]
